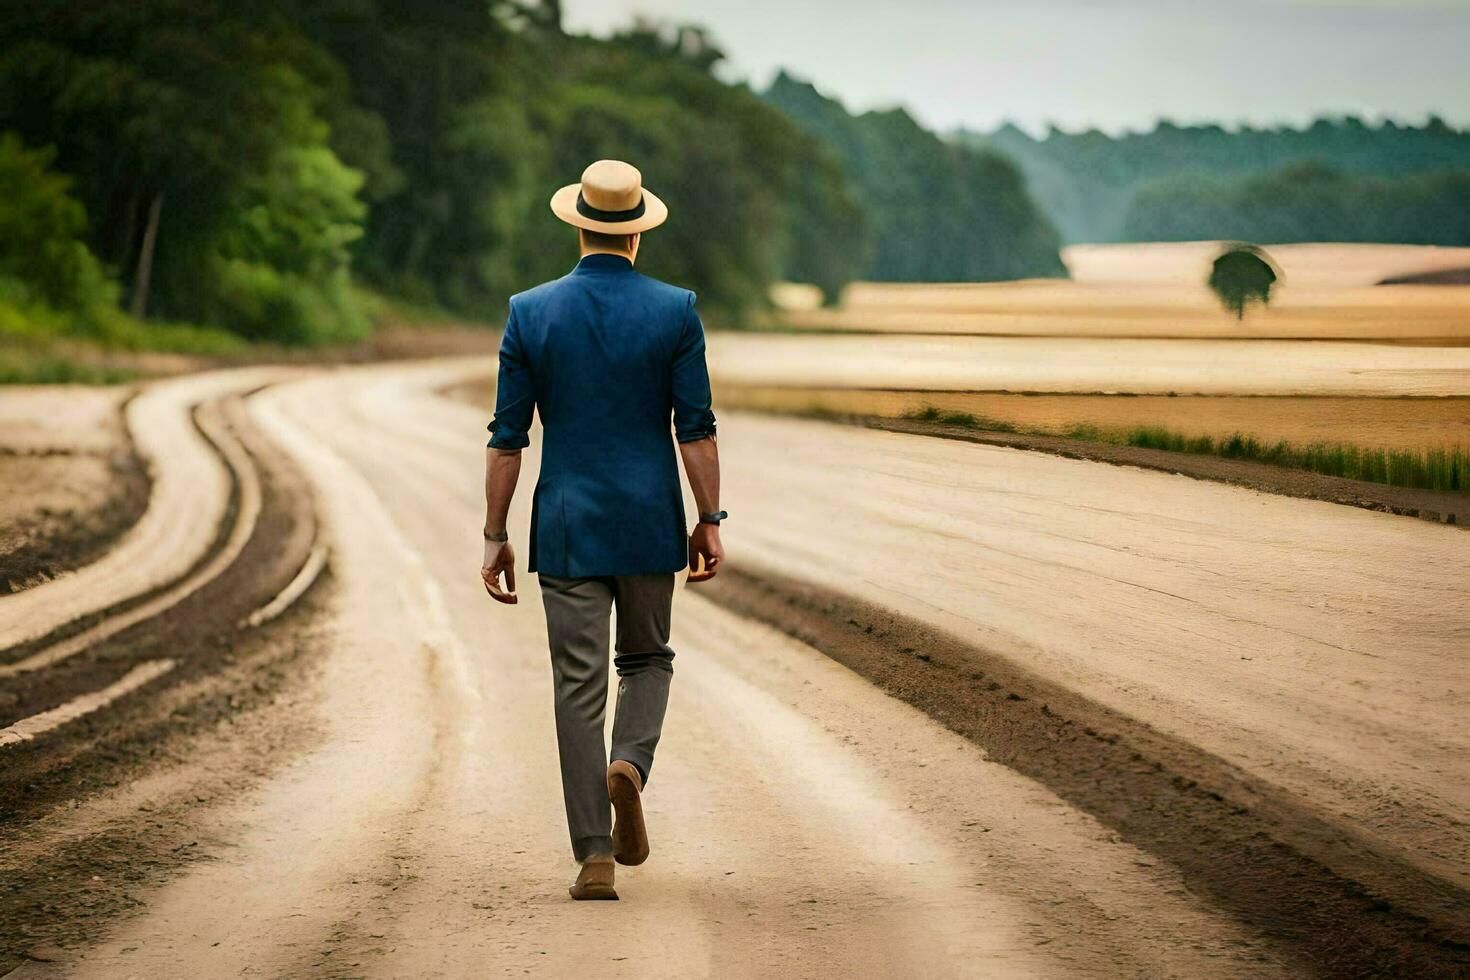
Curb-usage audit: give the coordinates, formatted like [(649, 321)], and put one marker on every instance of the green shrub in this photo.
[(23, 366), (41, 229), (22, 316), (115, 330), (300, 214), (263, 304), (109, 329), (54, 292), (1427, 469)]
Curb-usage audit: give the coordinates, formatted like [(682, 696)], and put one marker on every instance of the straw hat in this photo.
[(610, 199)]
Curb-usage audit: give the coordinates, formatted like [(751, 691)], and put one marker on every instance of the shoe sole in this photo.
[(630, 836), (593, 894)]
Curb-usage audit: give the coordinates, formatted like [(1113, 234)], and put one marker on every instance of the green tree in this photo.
[(42, 253), (239, 161), (1242, 274), (178, 120), (438, 75)]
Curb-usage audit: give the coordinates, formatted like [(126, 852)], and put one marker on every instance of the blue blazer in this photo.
[(606, 356)]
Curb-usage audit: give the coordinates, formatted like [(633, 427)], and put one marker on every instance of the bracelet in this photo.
[(714, 518), (500, 538)]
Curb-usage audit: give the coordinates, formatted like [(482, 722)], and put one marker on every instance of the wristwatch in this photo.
[(714, 519)]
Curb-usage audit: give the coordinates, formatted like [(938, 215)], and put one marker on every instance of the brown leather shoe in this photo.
[(630, 836), (595, 881)]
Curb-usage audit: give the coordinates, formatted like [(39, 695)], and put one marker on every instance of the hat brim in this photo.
[(564, 206)]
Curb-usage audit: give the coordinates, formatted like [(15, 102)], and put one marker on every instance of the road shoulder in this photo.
[(1332, 898), (1440, 507)]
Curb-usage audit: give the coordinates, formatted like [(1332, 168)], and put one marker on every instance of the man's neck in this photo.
[(606, 251)]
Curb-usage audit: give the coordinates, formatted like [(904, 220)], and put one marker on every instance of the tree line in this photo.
[(935, 210), (241, 164), (1101, 188), (1305, 203)]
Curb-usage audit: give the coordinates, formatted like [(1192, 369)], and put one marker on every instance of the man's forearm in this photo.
[(502, 471), (702, 467)]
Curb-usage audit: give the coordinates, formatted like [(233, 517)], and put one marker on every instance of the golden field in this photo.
[(1135, 339), (1326, 292)]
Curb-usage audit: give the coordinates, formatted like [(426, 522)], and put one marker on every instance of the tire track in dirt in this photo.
[(188, 503), (1339, 907), (234, 533), (111, 803)]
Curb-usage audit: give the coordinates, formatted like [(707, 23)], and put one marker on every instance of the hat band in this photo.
[(597, 214)]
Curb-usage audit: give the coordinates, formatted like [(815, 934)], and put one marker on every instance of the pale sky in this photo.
[(1110, 63)]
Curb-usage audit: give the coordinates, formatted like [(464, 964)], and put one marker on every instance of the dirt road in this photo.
[(805, 823)]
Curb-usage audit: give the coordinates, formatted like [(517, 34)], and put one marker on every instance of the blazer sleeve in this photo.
[(693, 419), (515, 399)]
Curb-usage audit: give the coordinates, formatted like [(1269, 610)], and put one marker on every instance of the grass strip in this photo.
[(1446, 468)]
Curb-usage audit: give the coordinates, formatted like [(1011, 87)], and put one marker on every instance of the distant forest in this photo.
[(238, 164), (1335, 180), (241, 165), (933, 210)]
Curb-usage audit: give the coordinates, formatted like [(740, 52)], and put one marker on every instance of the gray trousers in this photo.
[(577, 613)]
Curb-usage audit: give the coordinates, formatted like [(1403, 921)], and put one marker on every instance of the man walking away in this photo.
[(607, 356)]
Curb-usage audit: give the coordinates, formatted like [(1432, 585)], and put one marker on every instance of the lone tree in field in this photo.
[(1243, 274)]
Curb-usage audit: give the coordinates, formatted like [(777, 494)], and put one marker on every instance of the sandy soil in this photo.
[(1236, 841), (62, 418), (63, 510), (1387, 423), (806, 824), (185, 510), (73, 484), (781, 774), (37, 484), (97, 811), (1332, 638), (1437, 506)]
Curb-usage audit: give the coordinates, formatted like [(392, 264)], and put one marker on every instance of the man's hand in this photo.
[(499, 557), (705, 552)]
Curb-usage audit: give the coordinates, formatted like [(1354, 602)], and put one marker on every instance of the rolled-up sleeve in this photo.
[(693, 419), (515, 399)]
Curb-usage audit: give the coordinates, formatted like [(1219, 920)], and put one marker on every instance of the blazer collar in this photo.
[(602, 262)]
